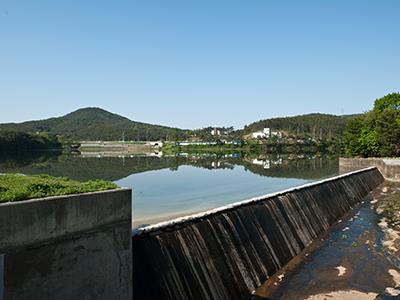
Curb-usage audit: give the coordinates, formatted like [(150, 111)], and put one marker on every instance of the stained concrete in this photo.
[(226, 253), (24, 223), (72, 247), (1, 276), (389, 167)]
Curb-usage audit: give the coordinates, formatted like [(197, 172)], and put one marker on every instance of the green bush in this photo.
[(377, 132), (14, 187)]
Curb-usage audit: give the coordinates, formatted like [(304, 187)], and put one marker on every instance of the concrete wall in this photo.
[(389, 167), (69, 247), (227, 253), (1, 277)]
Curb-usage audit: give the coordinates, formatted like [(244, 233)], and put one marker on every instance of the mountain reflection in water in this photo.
[(171, 186)]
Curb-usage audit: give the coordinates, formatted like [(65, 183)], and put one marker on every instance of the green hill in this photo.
[(314, 125), (96, 124)]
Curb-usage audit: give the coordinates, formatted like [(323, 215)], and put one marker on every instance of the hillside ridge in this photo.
[(94, 123)]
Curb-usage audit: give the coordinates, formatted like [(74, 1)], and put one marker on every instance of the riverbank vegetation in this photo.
[(377, 132), (274, 145), (15, 187), (16, 140)]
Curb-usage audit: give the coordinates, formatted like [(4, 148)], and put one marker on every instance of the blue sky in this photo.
[(196, 63)]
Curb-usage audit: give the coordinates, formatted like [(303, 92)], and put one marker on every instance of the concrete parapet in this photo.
[(389, 167), (67, 247)]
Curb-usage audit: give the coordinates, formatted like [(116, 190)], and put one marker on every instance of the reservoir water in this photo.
[(168, 187)]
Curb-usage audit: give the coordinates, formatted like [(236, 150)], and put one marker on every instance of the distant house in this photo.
[(258, 162), (266, 164), (215, 131), (216, 164), (265, 134)]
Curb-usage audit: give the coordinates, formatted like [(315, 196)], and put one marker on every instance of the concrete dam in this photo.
[(228, 252)]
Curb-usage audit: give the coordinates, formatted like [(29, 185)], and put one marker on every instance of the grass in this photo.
[(15, 187), (391, 209), (389, 204)]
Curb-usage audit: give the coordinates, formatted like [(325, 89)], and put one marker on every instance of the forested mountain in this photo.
[(313, 125), (96, 124)]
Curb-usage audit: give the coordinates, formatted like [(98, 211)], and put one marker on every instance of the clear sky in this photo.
[(196, 63)]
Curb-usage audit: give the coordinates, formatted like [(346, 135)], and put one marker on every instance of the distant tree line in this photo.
[(226, 133), (317, 126), (15, 140), (377, 132)]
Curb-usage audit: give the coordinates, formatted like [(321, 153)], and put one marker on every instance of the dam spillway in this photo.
[(228, 252)]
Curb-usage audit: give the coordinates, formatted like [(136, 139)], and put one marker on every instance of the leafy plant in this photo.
[(20, 187), (377, 132)]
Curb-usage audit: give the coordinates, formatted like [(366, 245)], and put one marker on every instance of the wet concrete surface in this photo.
[(357, 259), (228, 252)]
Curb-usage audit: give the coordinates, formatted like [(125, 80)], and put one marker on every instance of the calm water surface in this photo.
[(168, 187)]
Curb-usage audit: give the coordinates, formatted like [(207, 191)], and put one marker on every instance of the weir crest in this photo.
[(228, 252)]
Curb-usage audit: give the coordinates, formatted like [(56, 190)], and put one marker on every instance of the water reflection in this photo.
[(169, 186)]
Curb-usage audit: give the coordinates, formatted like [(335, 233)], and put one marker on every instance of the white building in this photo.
[(266, 164), (258, 162), (265, 134), (195, 143), (215, 131)]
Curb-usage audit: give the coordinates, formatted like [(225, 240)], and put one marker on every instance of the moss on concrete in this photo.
[(15, 187), (391, 209)]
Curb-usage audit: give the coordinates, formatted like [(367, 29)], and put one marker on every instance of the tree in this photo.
[(390, 101), (351, 137), (388, 131), (376, 133), (369, 145)]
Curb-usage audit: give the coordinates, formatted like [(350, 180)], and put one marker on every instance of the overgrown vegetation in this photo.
[(281, 146), (377, 132), (15, 187)]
